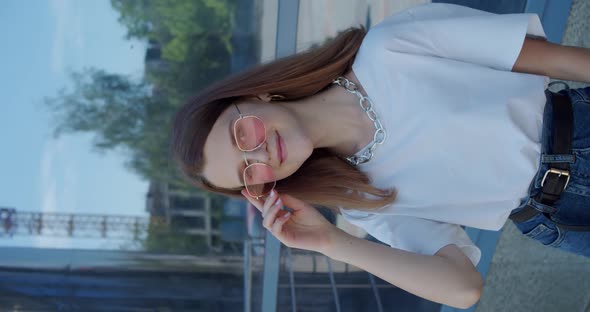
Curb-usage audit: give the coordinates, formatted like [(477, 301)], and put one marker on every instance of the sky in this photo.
[(42, 41)]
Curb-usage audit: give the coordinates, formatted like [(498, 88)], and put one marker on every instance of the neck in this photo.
[(333, 119)]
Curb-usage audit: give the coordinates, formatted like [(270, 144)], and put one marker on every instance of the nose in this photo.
[(260, 154)]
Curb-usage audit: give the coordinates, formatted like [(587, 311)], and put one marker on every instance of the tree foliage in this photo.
[(195, 38), (136, 115), (193, 43), (121, 113)]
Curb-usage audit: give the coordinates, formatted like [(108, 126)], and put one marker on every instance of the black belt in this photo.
[(557, 177)]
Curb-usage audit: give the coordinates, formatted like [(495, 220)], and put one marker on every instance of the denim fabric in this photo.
[(573, 207)]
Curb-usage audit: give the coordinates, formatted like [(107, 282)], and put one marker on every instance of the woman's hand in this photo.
[(303, 227)]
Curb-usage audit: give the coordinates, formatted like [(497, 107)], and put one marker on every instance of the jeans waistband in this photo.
[(546, 157)]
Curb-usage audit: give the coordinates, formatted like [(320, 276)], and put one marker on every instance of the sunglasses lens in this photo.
[(259, 179), (249, 132)]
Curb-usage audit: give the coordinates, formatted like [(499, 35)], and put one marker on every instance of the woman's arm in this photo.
[(542, 57), (447, 277)]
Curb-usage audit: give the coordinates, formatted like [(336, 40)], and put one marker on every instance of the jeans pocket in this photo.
[(580, 173), (581, 94), (541, 229), (544, 234)]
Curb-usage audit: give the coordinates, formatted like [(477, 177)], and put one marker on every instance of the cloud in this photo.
[(68, 33), (60, 10), (48, 176), (69, 190), (53, 197), (48, 188)]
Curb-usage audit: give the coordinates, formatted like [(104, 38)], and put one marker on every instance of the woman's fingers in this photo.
[(293, 202), (269, 201), (271, 214), (255, 202), (270, 208), (261, 205), (277, 226)]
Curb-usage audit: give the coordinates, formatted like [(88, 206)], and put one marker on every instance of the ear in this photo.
[(266, 97)]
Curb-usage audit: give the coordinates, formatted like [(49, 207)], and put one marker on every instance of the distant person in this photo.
[(437, 117)]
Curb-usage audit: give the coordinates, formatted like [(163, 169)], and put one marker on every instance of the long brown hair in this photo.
[(324, 178)]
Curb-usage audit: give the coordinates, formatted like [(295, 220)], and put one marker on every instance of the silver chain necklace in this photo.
[(366, 153)]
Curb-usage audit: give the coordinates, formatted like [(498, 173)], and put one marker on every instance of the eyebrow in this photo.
[(233, 143)]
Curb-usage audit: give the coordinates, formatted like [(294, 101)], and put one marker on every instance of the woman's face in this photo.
[(225, 162)]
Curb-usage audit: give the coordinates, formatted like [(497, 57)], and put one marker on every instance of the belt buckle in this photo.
[(559, 173)]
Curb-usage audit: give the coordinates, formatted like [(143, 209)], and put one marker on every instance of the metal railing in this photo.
[(310, 276)]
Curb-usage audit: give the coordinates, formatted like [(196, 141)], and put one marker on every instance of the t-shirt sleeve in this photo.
[(458, 33), (416, 235)]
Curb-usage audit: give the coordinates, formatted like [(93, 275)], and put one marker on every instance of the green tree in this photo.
[(136, 115), (195, 38), (122, 113)]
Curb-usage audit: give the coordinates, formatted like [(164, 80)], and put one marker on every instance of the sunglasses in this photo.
[(250, 134)]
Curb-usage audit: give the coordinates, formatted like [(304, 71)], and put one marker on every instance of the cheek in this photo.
[(298, 151), (299, 146)]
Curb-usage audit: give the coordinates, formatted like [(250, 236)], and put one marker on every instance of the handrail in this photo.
[(376, 292), (333, 283), (291, 279)]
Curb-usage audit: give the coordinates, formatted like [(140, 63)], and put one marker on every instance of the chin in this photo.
[(288, 169)]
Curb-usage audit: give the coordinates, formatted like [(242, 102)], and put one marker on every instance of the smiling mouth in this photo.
[(278, 148)]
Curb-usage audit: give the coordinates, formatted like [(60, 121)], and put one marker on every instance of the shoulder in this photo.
[(443, 10), (419, 27), (404, 21), (411, 16)]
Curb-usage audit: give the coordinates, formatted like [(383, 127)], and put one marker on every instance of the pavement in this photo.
[(525, 275)]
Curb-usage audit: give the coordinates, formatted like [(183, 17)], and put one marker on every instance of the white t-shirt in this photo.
[(463, 131)]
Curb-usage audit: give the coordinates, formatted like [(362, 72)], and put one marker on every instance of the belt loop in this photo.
[(567, 87)]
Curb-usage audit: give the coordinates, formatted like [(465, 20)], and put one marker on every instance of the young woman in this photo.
[(437, 117)]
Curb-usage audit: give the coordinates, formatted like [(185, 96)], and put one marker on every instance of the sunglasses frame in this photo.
[(249, 150)]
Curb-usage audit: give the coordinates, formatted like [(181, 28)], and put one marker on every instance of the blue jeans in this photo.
[(573, 206)]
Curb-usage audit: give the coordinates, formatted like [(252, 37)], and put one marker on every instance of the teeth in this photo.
[(278, 141), (280, 150)]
